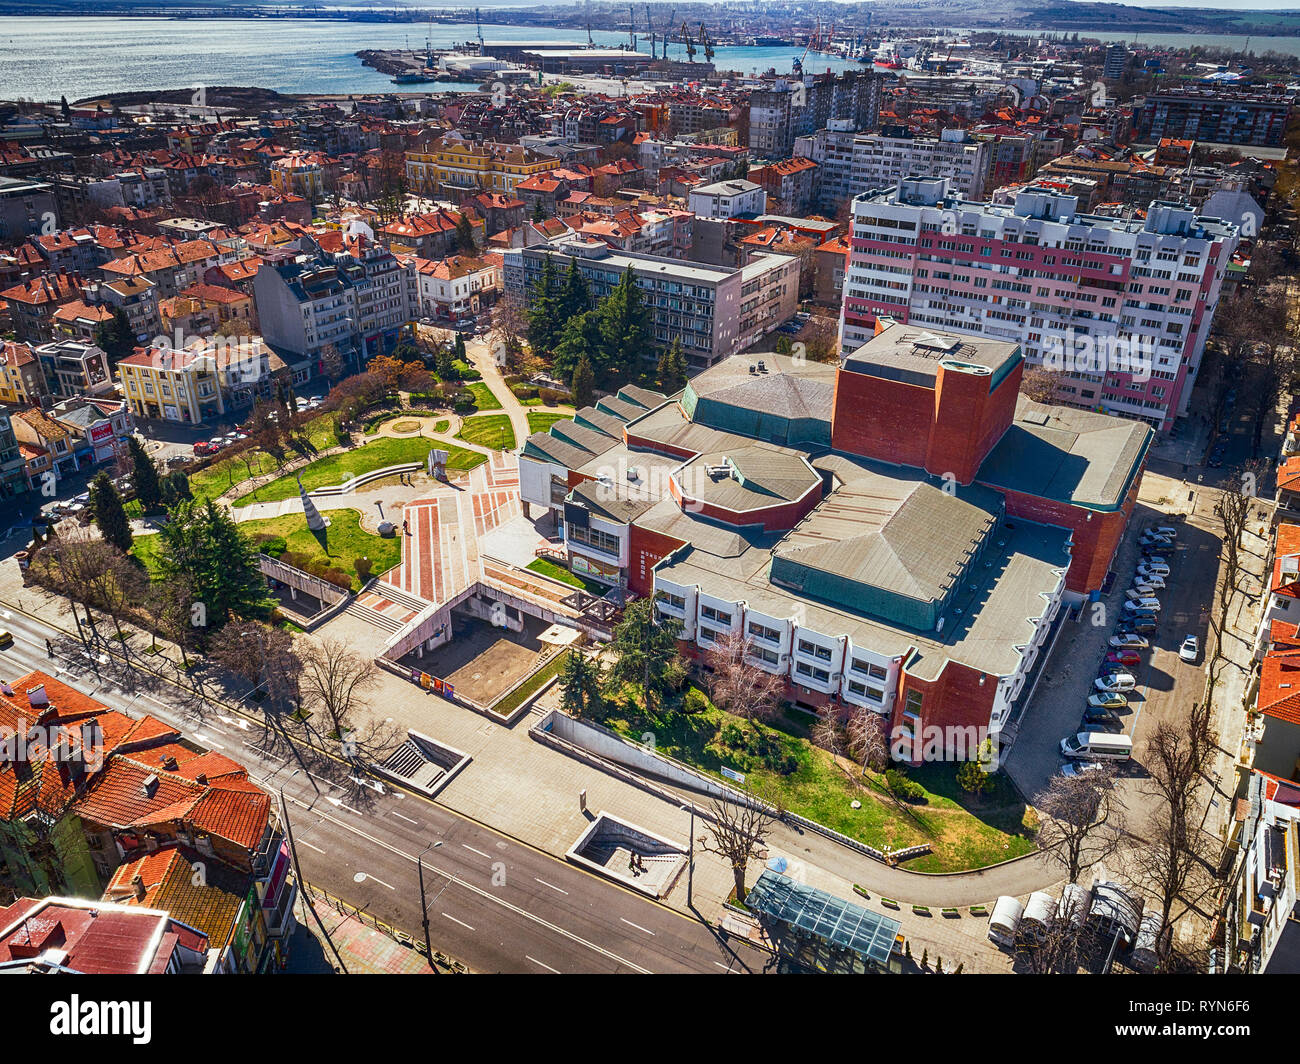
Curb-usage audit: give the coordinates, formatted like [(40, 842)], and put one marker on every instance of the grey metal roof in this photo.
[(759, 477), (787, 388), (831, 919), (553, 449), (601, 421), (1076, 456)]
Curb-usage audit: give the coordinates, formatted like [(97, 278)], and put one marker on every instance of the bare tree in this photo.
[(1042, 385), (1173, 863), (509, 330), (1056, 948), (868, 739), (1082, 819), (333, 680), (260, 654), (738, 833), (171, 607), (738, 685)]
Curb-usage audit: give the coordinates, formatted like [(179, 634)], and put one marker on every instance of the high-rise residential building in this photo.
[(1213, 116), (715, 311), (1120, 307), (796, 107), (1116, 59), (850, 163)]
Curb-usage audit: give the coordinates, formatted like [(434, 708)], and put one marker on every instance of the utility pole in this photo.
[(424, 906), (297, 871), (690, 859)]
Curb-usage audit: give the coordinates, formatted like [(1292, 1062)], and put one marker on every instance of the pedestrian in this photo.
[(49, 649)]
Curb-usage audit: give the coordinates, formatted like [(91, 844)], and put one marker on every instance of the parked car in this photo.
[(1115, 681), (1100, 715), (1190, 650), (1139, 591), (1144, 624), (1146, 605), (1080, 768), (1129, 639), (1123, 657), (6, 638), (1145, 571), (1153, 581), (1107, 700), (1169, 531), (180, 459), (1111, 727), (1150, 557)]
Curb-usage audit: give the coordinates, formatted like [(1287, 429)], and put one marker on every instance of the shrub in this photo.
[(552, 396), (908, 790), (363, 566), (269, 544), (695, 701), (337, 577), (295, 558), (524, 391)]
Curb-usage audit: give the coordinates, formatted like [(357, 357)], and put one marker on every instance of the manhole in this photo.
[(360, 877)]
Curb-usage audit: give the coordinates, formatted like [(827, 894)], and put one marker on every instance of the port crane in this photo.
[(651, 27), (704, 41), (478, 24), (686, 40), (631, 25)]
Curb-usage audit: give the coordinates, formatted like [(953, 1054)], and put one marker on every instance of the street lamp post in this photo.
[(424, 906), (297, 871), (690, 858)]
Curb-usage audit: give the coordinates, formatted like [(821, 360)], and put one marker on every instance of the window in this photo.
[(863, 690), (914, 700), (769, 657), (815, 651), (820, 675), (710, 614), (761, 631), (677, 602)]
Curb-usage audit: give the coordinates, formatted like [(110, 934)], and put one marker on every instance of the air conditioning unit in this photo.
[(835, 677)]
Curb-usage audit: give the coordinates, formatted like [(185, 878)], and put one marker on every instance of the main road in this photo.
[(493, 902)]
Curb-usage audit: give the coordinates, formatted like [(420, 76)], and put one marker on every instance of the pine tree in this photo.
[(575, 297), (465, 235), (202, 544), (645, 646), (538, 214), (115, 337), (672, 368), (579, 684), (579, 341), (625, 329), (460, 348), (144, 475), (544, 323), (583, 384), (110, 517)]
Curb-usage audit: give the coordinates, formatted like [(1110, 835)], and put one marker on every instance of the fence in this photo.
[(343, 908)]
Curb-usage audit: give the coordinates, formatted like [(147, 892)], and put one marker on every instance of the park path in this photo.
[(481, 358)]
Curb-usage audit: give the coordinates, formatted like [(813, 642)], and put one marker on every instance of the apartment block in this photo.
[(1120, 308), (715, 311), (850, 163), (796, 107), (1214, 116)]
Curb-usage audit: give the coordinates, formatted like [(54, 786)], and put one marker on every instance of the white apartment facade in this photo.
[(1120, 307)]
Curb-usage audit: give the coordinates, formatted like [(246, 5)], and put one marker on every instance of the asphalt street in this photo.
[(493, 903)]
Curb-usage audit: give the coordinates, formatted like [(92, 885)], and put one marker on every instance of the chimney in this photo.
[(6, 688), (36, 696), (169, 763), (201, 778), (150, 786), (137, 886)]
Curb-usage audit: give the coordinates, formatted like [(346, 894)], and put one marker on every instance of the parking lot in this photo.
[(1164, 685)]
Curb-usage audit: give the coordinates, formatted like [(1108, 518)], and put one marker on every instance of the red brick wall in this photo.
[(1095, 540), (955, 699), (881, 419), (772, 518), (645, 550)]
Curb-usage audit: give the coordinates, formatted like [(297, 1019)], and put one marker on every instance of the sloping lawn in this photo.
[(345, 541), (146, 549), (558, 572), (221, 476), (488, 430), (336, 468), (483, 397), (965, 832), (540, 420)]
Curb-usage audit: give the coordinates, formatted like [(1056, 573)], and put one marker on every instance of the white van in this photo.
[(1097, 746)]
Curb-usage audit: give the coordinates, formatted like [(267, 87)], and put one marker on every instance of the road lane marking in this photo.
[(304, 842), (479, 852), (406, 818), (551, 885), (367, 875), (455, 921), (637, 926), (339, 802), (541, 964), (484, 894)]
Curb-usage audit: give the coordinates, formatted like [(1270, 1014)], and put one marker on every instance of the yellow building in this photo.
[(22, 381), (452, 167), (200, 380)]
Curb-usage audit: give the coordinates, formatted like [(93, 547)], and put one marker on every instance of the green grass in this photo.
[(220, 477), (488, 430), (540, 420), (146, 550), (344, 541), (965, 832), (336, 468), (483, 397), (530, 686), (558, 572), (441, 426)]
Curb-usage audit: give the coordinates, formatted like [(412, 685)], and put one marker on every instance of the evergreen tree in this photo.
[(672, 368), (646, 647), (144, 474), (110, 517), (581, 341), (538, 214), (575, 298), (465, 235), (583, 384), (115, 337), (579, 684), (544, 324), (625, 329), (460, 348), (202, 544), (65, 109)]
